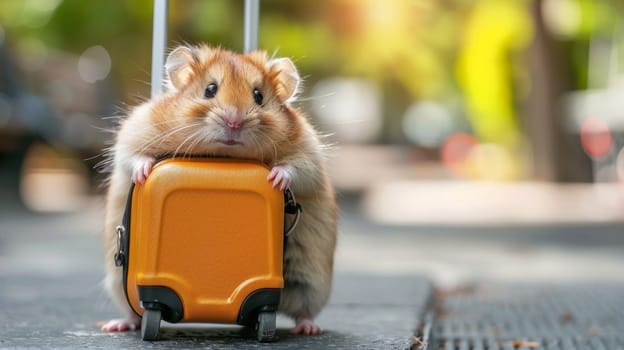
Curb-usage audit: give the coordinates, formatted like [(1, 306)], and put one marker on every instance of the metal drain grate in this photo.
[(521, 317)]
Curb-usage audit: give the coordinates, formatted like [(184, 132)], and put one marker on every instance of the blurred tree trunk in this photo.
[(557, 155)]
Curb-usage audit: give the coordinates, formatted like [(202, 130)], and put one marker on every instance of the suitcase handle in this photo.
[(159, 38), (159, 42), (252, 15)]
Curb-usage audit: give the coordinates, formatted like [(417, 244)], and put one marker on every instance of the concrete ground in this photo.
[(51, 271), (51, 296), (457, 254)]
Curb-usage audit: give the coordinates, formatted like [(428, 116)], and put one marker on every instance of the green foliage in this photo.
[(419, 47)]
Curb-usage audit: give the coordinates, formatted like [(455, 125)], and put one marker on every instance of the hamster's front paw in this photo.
[(141, 168), (281, 176)]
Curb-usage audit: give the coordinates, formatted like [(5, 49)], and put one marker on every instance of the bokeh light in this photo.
[(596, 137), (492, 162), (53, 182), (455, 153), (94, 64), (37, 13), (563, 17), (351, 108), (427, 123)]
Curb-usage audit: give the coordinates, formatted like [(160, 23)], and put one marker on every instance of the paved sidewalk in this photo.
[(51, 297), (366, 312), (51, 268)]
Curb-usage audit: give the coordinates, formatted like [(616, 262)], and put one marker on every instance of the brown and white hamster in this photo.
[(233, 105)]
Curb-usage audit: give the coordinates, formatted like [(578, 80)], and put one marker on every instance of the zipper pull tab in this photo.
[(120, 254)]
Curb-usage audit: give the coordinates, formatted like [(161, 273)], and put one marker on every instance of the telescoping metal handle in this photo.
[(159, 42), (159, 38), (252, 15)]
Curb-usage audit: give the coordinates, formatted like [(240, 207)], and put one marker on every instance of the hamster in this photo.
[(225, 104)]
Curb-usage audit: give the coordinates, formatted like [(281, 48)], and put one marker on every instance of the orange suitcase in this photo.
[(202, 241)]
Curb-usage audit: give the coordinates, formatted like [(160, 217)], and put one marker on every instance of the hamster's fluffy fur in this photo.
[(188, 120)]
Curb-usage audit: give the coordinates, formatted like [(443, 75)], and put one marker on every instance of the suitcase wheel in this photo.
[(150, 324), (265, 327)]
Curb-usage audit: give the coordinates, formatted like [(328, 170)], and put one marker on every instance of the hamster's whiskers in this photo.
[(202, 137), (256, 145), (189, 138), (273, 145), (161, 137)]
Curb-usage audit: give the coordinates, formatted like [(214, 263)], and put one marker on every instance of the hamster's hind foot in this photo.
[(131, 323), (305, 326)]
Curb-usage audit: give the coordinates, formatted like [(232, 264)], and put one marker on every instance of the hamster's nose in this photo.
[(233, 119), (233, 124)]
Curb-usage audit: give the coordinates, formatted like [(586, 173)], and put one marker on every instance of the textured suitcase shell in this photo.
[(211, 231)]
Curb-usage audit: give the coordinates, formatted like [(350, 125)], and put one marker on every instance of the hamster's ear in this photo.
[(179, 67), (287, 77)]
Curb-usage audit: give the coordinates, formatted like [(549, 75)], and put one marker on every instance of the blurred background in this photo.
[(462, 116)]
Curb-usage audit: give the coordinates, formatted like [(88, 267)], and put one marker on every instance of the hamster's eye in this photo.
[(257, 95), (211, 90)]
